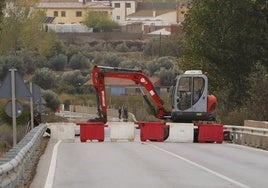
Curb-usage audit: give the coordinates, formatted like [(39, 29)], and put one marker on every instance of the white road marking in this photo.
[(52, 167), (200, 166)]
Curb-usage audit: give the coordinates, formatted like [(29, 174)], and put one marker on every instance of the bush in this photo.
[(107, 59), (74, 78), (79, 61), (44, 78), (52, 100), (132, 64), (258, 92), (58, 62), (122, 47), (163, 62), (9, 62)]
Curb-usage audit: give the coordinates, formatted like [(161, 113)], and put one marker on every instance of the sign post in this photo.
[(31, 105), (13, 97)]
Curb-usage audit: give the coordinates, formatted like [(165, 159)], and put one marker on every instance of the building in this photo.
[(119, 86), (71, 11), (155, 16), (121, 9), (133, 16)]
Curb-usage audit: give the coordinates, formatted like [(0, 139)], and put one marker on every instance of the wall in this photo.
[(256, 124)]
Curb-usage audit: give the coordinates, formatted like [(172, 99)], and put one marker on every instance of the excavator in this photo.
[(190, 98)]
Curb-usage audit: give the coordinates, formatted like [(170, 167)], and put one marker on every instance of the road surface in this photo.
[(138, 164)]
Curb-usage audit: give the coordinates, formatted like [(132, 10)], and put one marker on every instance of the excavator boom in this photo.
[(99, 74)]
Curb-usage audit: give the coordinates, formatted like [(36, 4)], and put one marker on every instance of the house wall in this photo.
[(119, 13), (68, 14), (168, 18)]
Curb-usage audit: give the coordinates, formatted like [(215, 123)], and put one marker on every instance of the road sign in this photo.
[(21, 90), (19, 109)]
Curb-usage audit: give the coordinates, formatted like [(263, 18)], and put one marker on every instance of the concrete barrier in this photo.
[(122, 131), (181, 132), (256, 124), (62, 131)]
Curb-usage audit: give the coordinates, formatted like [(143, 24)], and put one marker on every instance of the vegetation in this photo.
[(2, 5), (21, 28), (226, 38), (100, 21)]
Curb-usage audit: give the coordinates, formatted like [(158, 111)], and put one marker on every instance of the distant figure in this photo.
[(120, 113), (125, 114)]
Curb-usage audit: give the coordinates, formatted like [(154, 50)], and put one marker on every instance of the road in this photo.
[(150, 165)]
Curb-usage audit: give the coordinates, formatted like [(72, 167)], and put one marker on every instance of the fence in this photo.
[(17, 165)]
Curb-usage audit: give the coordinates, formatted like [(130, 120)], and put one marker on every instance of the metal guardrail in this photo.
[(250, 136), (16, 165)]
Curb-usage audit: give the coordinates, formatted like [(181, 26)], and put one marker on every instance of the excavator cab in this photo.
[(190, 99)]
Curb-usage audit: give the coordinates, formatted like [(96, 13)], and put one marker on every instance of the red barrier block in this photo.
[(210, 133), (91, 131), (153, 131)]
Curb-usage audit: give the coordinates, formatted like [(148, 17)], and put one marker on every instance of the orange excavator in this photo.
[(190, 98)]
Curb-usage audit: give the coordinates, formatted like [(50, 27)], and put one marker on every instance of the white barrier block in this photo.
[(181, 132), (62, 131), (122, 131)]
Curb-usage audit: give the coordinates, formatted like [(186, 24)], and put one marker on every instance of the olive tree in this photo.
[(45, 78), (52, 100)]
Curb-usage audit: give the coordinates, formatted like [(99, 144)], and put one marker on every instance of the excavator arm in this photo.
[(99, 73)]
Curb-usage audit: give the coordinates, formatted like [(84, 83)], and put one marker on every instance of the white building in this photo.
[(121, 9)]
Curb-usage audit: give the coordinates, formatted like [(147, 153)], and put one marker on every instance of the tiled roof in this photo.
[(72, 5), (62, 1)]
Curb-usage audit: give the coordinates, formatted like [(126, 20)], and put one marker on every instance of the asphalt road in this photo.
[(138, 164)]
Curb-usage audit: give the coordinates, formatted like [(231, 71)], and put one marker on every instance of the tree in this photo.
[(72, 80), (52, 100), (45, 78), (99, 21), (50, 45), (227, 38), (58, 62), (22, 27), (163, 62), (2, 5), (258, 92), (107, 59), (164, 46), (79, 61)]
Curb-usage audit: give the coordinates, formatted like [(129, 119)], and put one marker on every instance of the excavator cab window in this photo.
[(189, 91)]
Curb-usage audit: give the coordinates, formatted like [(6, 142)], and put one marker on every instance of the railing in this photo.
[(250, 136), (17, 164)]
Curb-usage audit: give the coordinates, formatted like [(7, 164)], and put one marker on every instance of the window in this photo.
[(118, 17), (117, 5), (128, 5), (55, 14), (78, 14), (189, 91), (184, 94), (63, 14)]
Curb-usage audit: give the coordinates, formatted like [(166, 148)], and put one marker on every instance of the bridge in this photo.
[(123, 160)]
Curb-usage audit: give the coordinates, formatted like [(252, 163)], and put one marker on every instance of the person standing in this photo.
[(125, 114), (120, 113)]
